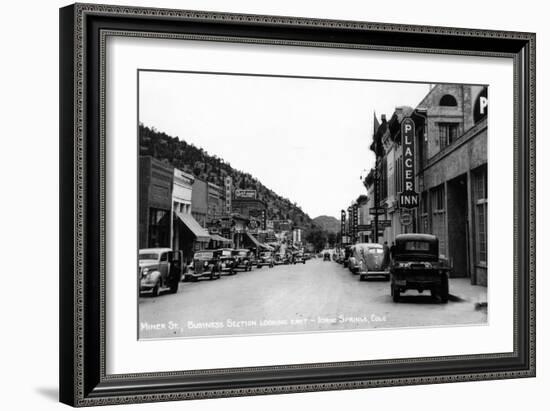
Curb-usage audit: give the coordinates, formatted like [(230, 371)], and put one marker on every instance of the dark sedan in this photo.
[(416, 266)]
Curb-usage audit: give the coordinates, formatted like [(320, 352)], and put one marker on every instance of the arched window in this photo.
[(448, 101)]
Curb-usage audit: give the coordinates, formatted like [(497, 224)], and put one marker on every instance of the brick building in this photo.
[(155, 202)]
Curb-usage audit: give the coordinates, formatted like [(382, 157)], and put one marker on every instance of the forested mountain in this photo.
[(328, 223), (208, 167)]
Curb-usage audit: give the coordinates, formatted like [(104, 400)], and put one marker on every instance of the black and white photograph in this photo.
[(272, 204)]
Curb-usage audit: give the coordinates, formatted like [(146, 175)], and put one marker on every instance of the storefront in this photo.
[(449, 159), (192, 237), (155, 202), (217, 241)]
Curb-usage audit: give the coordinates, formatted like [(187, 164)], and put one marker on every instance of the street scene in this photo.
[(316, 296), (257, 226)]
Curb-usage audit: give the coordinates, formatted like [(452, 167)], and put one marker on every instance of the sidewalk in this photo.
[(461, 289)]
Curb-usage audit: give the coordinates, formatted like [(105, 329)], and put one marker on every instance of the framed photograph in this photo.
[(262, 204)]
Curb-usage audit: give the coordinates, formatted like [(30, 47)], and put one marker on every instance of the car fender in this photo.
[(154, 276)]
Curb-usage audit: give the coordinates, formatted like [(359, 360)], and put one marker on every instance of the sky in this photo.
[(306, 139)]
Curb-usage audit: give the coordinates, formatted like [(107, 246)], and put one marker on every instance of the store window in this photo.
[(159, 228), (448, 132), (480, 204)]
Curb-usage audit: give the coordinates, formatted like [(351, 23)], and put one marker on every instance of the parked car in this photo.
[(339, 256), (266, 258), (352, 259), (277, 259), (226, 259), (242, 259), (416, 266), (283, 259), (347, 254), (206, 263), (368, 258), (159, 269), (298, 258)]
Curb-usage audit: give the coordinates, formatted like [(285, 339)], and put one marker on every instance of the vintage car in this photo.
[(326, 256), (347, 254), (242, 259), (266, 258), (416, 266), (339, 256), (226, 260), (159, 269), (206, 263), (351, 259), (277, 259), (298, 258), (368, 261)]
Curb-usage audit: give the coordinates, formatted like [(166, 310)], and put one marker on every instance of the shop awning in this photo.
[(200, 233), (219, 238), (254, 240)]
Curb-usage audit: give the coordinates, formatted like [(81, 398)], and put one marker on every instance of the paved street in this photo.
[(317, 296)]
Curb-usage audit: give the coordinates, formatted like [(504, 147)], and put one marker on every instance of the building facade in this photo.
[(452, 179), (155, 202), (249, 207), (450, 170), (187, 234), (215, 202), (199, 202)]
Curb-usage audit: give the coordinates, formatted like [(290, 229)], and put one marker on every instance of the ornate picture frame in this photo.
[(84, 29)]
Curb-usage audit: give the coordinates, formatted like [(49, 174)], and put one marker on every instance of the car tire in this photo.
[(444, 291), (395, 293), (361, 277), (155, 290), (174, 286)]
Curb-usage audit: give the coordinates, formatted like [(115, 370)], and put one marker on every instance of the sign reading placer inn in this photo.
[(409, 197)]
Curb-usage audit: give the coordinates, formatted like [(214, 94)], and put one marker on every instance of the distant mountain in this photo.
[(208, 167), (328, 223)]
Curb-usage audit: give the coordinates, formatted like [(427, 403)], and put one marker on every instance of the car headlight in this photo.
[(145, 271)]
